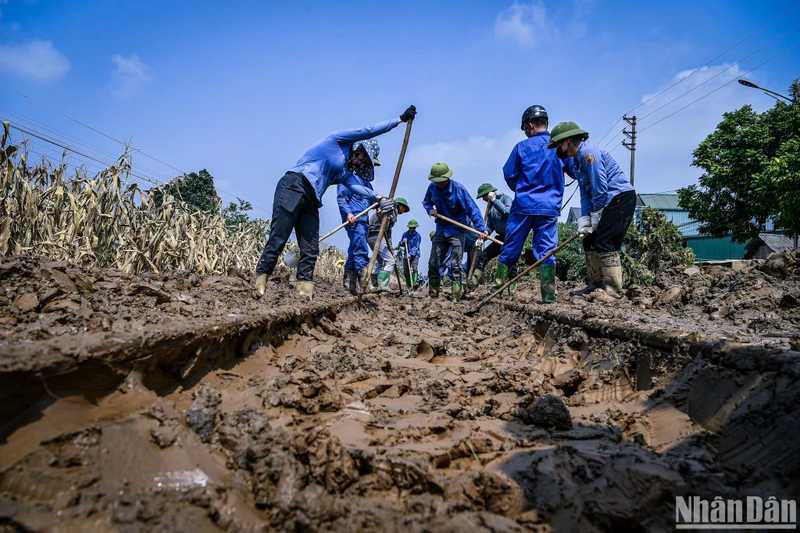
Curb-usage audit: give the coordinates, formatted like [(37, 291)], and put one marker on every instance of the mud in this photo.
[(390, 413)]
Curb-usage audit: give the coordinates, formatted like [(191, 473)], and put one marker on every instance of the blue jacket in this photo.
[(414, 241), (599, 178), (350, 203), (455, 203), (323, 163), (536, 176), (498, 214)]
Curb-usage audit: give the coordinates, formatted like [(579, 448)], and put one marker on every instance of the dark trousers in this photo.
[(439, 246), (492, 251), (295, 207), (613, 226)]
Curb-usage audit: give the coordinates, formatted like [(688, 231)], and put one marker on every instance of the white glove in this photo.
[(596, 219), (492, 195), (584, 225)]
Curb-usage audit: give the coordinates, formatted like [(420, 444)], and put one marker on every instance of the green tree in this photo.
[(750, 172), (195, 188), (236, 214)]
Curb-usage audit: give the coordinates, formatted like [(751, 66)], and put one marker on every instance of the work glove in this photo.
[(596, 219), (409, 114), (584, 225), (492, 196), (387, 206)]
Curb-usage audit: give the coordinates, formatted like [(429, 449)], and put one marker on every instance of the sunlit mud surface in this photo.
[(129, 411)]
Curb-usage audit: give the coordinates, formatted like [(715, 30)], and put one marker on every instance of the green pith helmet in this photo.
[(413, 223), (440, 172), (402, 201), (432, 234), (563, 130), (485, 189)]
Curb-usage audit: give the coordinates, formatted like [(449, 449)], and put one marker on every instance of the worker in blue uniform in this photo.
[(536, 176), (496, 222), (411, 241), (350, 204), (298, 197), (449, 198), (608, 202)]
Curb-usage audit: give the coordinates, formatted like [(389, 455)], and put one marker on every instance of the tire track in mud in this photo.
[(404, 415)]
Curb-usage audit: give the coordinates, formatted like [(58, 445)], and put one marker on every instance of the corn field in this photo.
[(104, 221)]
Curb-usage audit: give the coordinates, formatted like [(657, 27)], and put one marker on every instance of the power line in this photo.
[(795, 45), (720, 72), (795, 6), (142, 152)]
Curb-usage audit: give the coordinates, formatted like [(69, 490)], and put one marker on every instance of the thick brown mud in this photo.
[(390, 413)]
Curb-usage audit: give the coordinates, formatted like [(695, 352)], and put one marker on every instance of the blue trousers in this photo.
[(545, 237), (358, 251)]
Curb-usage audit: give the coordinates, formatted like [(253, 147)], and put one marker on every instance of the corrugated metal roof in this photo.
[(777, 243), (660, 200)]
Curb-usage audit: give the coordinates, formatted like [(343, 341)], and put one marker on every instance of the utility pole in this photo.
[(630, 145)]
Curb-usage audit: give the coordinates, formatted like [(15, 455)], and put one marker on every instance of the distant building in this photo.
[(705, 247), (767, 243), (574, 214)]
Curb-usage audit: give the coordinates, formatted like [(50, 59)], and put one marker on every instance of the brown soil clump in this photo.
[(129, 412)]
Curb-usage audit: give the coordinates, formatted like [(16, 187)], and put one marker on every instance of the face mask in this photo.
[(561, 154)]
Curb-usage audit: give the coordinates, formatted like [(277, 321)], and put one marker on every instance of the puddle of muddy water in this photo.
[(408, 423)]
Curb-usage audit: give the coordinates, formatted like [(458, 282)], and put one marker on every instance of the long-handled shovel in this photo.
[(486, 299), (385, 220), (462, 226), (340, 226), (477, 250), (408, 264)]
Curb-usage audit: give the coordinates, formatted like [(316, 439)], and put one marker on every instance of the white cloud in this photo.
[(664, 149), (529, 24), (524, 24), (477, 150), (35, 59), (129, 75)]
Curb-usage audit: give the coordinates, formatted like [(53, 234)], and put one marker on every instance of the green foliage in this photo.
[(571, 261), (750, 165), (782, 173), (195, 188), (652, 246), (236, 215)]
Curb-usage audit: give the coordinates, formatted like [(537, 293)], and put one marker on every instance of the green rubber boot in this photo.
[(500, 275), (415, 279), (611, 268), (434, 285), (457, 291), (476, 278), (373, 279), (383, 280), (512, 290), (547, 275)]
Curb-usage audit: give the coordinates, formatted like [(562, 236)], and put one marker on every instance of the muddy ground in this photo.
[(174, 402)]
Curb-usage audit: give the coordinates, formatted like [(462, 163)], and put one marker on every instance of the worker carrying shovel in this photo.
[(410, 243), (607, 205), (449, 198), (385, 261), (536, 176), (496, 222), (298, 196)]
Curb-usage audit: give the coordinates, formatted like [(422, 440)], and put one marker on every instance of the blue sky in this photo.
[(244, 88)]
